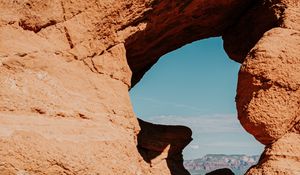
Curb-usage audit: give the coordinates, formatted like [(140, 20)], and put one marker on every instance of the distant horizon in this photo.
[(195, 86), (248, 155), (213, 134), (224, 155)]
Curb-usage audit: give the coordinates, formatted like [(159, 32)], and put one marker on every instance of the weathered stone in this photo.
[(66, 67), (161, 146)]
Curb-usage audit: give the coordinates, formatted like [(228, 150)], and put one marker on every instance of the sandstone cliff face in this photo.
[(272, 114), (268, 96), (64, 98), (66, 68)]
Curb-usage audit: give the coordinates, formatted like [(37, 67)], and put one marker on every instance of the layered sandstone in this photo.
[(66, 68)]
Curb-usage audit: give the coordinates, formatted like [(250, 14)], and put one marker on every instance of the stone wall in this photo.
[(66, 68)]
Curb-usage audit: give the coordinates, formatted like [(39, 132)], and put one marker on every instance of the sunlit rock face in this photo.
[(66, 68), (268, 94)]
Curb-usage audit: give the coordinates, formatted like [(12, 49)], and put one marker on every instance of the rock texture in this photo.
[(172, 24), (161, 146), (268, 94), (66, 68)]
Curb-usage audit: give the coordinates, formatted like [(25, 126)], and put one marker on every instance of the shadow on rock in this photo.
[(160, 144)]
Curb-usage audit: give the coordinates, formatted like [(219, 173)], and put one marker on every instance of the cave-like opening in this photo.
[(195, 86)]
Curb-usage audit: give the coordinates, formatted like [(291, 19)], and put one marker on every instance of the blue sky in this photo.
[(195, 86)]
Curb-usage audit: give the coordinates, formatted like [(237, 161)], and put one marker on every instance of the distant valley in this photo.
[(239, 164)]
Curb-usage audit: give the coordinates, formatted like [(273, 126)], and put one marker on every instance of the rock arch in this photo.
[(66, 67)]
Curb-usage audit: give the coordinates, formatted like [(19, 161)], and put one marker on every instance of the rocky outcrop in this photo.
[(268, 95), (161, 146), (66, 67), (172, 24)]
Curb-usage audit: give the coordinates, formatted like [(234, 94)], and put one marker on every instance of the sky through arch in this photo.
[(195, 86)]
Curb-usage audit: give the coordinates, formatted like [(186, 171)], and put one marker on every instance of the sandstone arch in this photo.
[(66, 68)]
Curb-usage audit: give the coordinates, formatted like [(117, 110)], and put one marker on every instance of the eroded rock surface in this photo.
[(268, 95), (161, 146), (66, 68)]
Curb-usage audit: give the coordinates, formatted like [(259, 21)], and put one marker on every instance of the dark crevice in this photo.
[(68, 38), (71, 44), (85, 63), (63, 9)]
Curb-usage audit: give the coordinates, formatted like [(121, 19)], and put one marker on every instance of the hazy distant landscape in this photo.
[(239, 164)]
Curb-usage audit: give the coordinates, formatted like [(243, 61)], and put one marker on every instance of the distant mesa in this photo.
[(212, 164)]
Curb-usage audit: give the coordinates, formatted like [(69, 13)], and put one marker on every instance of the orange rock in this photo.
[(66, 68)]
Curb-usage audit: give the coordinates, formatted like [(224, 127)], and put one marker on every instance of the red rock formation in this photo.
[(172, 24), (161, 146), (66, 67), (268, 95)]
